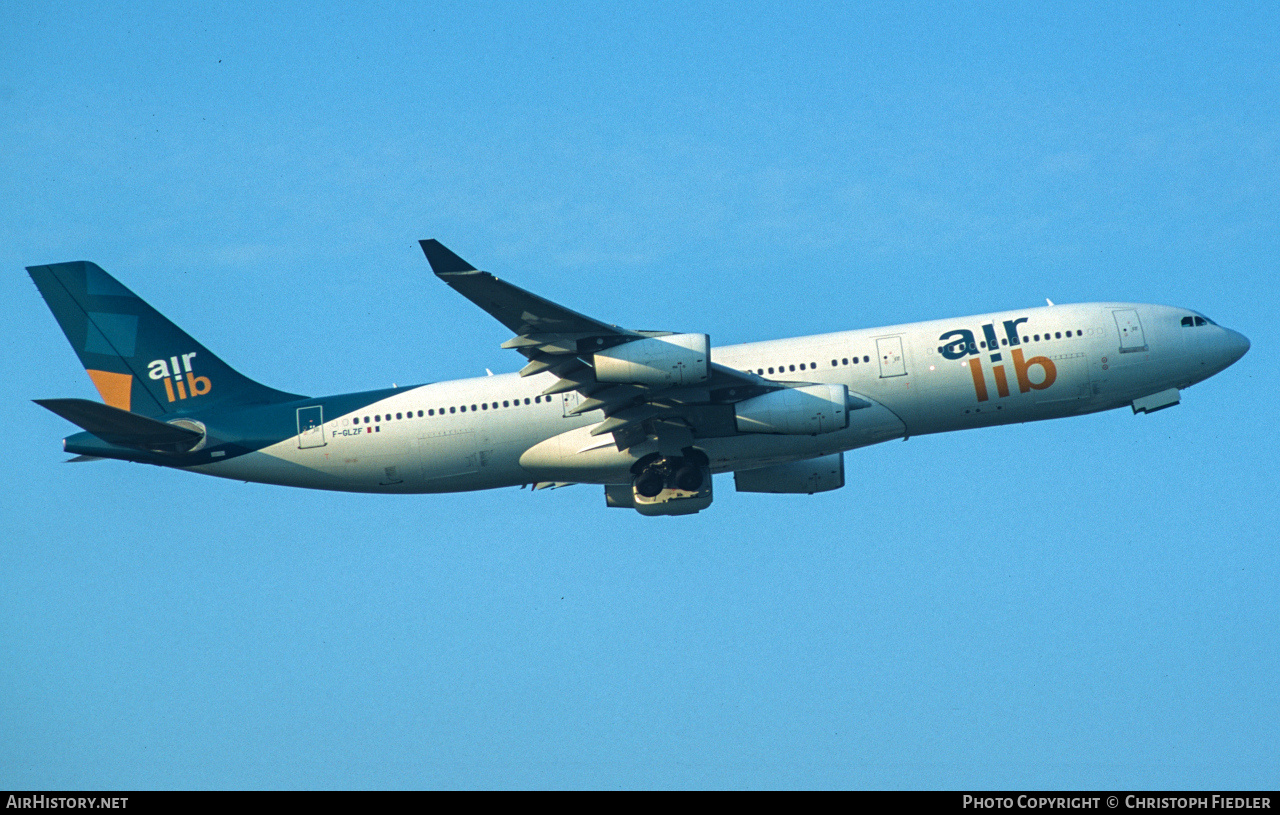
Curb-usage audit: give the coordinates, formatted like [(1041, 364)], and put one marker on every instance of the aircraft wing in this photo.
[(634, 386)]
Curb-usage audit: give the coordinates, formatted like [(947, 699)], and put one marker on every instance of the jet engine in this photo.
[(808, 476), (807, 410), (675, 360)]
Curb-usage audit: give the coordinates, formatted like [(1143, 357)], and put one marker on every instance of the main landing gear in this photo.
[(667, 485)]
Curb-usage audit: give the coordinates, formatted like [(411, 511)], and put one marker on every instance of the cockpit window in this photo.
[(1195, 321)]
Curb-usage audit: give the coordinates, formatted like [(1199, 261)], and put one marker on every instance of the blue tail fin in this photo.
[(138, 360)]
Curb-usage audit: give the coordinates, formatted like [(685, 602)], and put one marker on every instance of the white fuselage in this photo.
[(928, 377)]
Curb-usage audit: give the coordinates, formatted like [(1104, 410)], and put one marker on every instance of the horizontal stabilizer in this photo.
[(116, 426)]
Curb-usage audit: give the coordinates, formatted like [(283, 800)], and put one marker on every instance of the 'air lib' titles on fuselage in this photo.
[(963, 344)]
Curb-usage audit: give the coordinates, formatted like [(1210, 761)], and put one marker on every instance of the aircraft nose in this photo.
[(1237, 345)]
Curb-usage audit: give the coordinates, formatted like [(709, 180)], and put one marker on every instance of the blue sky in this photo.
[(1083, 603)]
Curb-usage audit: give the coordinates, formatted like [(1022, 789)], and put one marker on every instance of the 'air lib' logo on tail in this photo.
[(179, 380)]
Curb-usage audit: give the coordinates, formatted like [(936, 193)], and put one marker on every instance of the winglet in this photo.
[(442, 260)]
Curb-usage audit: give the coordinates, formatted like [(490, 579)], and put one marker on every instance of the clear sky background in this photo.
[(1090, 602)]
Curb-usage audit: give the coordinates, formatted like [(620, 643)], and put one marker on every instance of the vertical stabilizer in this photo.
[(138, 360)]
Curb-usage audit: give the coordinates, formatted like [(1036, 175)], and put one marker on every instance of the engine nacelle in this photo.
[(680, 359), (807, 410), (808, 476)]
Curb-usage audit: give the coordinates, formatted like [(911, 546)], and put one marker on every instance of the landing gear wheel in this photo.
[(649, 483), (689, 478)]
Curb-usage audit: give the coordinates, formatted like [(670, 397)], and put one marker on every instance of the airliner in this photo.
[(652, 416)]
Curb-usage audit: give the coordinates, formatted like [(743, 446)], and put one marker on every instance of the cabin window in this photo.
[(802, 366)]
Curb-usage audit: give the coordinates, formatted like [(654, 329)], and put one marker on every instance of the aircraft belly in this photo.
[(263, 467)]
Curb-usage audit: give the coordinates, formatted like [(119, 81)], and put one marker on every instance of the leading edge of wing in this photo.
[(523, 312)]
